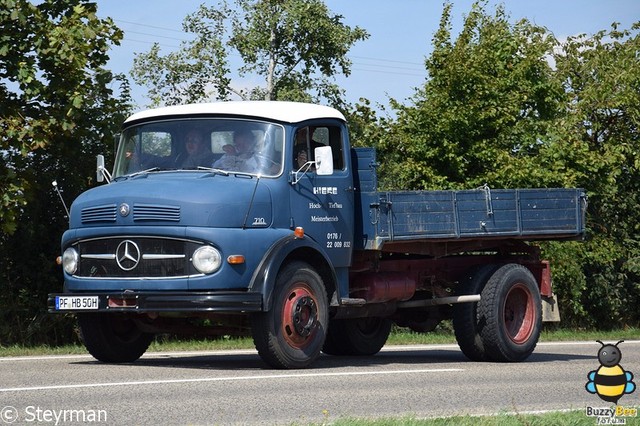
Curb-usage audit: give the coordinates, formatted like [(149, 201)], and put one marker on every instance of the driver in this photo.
[(240, 156), (198, 152)]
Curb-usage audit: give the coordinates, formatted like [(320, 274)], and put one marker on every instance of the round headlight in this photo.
[(70, 259), (206, 259)]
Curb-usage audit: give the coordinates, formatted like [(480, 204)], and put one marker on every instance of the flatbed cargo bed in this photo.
[(477, 214)]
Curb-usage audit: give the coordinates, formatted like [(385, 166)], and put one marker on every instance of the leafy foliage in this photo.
[(600, 146), (296, 47), (489, 96), (509, 105), (197, 71), (58, 109), (366, 127), (505, 104)]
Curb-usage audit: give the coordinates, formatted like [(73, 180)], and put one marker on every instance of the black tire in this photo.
[(292, 333), (113, 338), (466, 324), (511, 310), (359, 337)]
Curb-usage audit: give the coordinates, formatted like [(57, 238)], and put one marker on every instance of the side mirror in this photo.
[(101, 172), (99, 168), (324, 160)]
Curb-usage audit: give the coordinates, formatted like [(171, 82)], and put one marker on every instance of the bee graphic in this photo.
[(610, 381)]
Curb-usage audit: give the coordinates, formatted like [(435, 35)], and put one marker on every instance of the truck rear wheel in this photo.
[(511, 310), (466, 324), (113, 338), (292, 333), (360, 336)]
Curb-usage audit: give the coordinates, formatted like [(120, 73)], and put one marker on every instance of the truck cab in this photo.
[(173, 234)]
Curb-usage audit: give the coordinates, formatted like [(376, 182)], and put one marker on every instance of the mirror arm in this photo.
[(306, 166), (106, 174)]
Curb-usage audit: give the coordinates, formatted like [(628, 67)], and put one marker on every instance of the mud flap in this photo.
[(550, 309)]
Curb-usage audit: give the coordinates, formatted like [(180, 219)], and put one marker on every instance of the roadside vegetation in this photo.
[(569, 418), (504, 103)]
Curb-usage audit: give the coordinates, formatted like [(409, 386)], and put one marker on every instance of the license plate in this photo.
[(69, 303)]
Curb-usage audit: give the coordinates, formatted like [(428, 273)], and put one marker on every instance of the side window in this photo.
[(154, 149), (308, 138)]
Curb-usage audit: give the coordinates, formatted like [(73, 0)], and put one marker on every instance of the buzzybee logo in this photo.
[(610, 382)]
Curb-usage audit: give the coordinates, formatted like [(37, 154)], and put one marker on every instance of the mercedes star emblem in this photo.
[(127, 255), (124, 209)]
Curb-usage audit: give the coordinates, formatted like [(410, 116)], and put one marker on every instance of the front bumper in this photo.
[(178, 302)]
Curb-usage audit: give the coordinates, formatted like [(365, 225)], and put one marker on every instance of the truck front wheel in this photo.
[(292, 333), (360, 336), (113, 338), (511, 310)]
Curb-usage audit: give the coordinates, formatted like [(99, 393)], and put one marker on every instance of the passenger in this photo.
[(304, 138), (240, 156), (198, 152)]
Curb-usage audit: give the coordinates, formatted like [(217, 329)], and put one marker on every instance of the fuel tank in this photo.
[(377, 287)]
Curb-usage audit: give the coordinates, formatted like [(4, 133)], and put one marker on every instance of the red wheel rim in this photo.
[(519, 314), (299, 316)]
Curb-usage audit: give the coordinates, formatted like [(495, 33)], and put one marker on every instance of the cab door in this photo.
[(323, 205)]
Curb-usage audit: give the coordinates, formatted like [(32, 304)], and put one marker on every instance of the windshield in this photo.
[(229, 145)]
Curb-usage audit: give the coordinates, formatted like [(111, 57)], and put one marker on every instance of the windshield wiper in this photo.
[(214, 171), (140, 172)]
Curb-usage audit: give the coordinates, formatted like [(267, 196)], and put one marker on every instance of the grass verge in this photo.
[(400, 336), (564, 418)]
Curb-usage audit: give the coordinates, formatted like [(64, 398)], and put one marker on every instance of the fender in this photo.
[(264, 277)]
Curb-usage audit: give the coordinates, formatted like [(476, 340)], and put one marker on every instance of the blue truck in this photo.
[(259, 218)]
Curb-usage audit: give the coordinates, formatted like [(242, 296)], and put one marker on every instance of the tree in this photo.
[(51, 56), (597, 140), (488, 97), (366, 127), (198, 70), (509, 105), (58, 110), (295, 46)]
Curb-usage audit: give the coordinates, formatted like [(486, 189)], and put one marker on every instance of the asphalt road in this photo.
[(237, 388)]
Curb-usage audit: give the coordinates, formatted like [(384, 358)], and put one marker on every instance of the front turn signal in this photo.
[(235, 259)]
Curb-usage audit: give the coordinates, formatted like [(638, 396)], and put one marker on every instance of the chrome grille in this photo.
[(104, 213), (136, 257)]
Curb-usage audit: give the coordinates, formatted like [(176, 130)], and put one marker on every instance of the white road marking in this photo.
[(232, 378)]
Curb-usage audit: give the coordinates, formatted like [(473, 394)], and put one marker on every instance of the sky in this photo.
[(390, 63)]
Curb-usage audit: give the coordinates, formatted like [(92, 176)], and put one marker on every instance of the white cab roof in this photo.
[(288, 112)]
